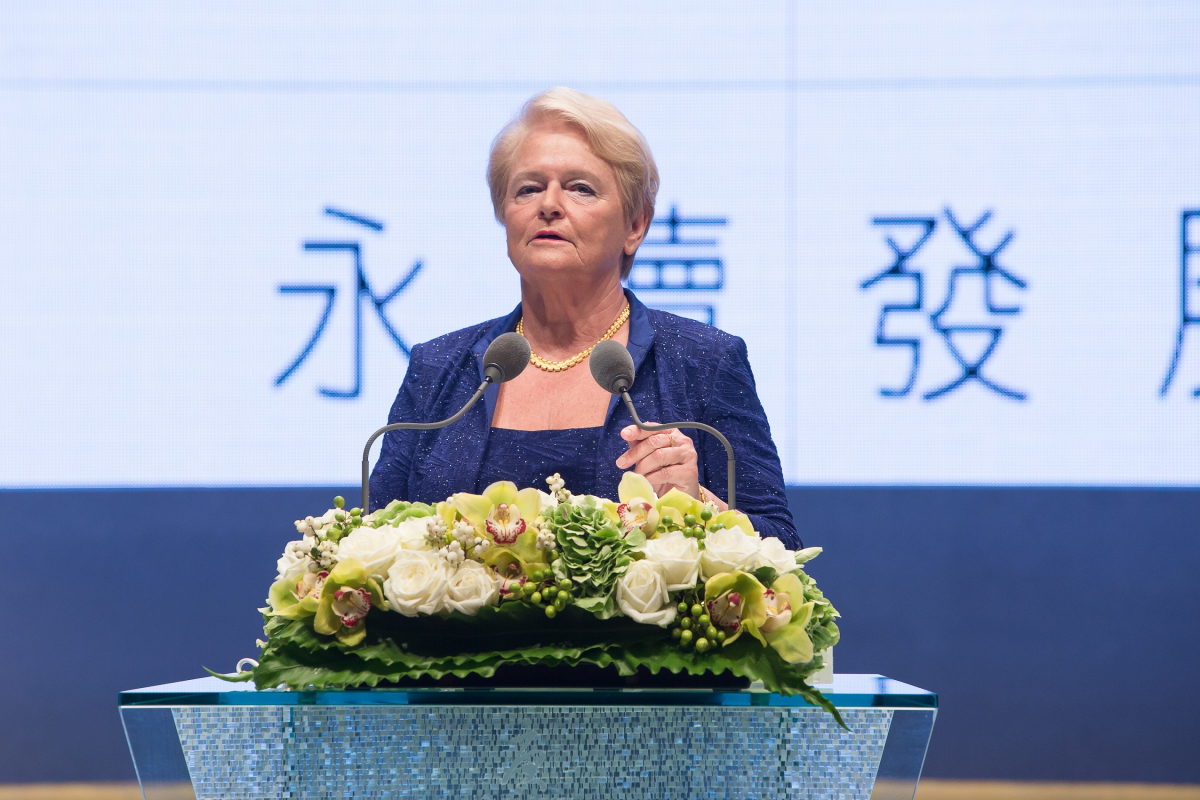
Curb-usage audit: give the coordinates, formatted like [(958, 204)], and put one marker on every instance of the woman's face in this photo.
[(562, 208)]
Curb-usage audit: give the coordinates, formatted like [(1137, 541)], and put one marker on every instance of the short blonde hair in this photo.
[(611, 136)]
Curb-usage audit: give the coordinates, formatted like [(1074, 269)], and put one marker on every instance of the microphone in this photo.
[(505, 358), (612, 367)]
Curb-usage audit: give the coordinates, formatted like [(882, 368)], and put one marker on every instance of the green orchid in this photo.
[(501, 513), (735, 603), (787, 619), (346, 597), (297, 599), (505, 517), (639, 504)]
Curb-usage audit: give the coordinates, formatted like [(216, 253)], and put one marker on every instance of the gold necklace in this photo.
[(563, 366)]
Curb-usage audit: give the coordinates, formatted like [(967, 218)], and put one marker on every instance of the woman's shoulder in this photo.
[(687, 336), (451, 348)]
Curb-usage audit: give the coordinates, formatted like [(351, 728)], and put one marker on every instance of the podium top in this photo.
[(846, 691)]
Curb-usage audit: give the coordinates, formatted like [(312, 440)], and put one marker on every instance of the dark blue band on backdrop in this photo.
[(1057, 625)]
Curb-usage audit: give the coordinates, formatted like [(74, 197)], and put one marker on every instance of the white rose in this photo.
[(678, 556), (374, 547), (471, 587), (642, 595), (412, 532), (772, 553), (416, 582), (548, 502), (727, 550), (295, 559)]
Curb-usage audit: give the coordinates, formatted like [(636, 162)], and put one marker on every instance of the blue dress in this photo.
[(686, 371), (528, 457)]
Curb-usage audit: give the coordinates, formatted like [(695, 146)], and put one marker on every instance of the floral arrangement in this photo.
[(513, 577)]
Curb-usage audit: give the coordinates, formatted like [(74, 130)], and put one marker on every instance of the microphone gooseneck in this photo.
[(504, 359), (612, 367)]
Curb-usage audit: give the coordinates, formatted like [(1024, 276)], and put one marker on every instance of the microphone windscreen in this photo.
[(611, 366), (506, 357)]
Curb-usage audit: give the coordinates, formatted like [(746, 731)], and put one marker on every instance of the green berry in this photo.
[(536, 597), (550, 612), (706, 514), (689, 520), (703, 621), (661, 528), (339, 502), (339, 516), (721, 637), (710, 633), (685, 623), (701, 645), (685, 638), (717, 526), (560, 603), (551, 592), (554, 555), (697, 610), (514, 587), (682, 608), (566, 585), (356, 512), (676, 633)]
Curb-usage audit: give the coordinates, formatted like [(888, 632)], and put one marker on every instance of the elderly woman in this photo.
[(574, 184)]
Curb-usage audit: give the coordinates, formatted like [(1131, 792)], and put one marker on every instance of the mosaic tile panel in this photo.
[(530, 752)]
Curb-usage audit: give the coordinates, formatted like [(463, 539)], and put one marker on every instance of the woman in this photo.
[(574, 184)]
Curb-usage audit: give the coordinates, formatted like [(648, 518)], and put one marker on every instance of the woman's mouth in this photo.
[(548, 236)]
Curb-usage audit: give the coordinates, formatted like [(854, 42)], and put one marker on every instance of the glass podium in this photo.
[(207, 738)]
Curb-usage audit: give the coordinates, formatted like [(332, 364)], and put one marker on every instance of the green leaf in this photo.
[(766, 575)]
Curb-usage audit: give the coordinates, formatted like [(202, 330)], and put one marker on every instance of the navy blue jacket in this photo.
[(686, 371)]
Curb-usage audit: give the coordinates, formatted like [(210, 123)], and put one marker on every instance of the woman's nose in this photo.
[(551, 206)]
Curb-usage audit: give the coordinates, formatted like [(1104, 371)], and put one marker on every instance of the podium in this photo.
[(207, 738)]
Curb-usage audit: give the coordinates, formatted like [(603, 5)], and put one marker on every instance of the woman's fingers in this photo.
[(646, 442), (676, 476), (664, 457)]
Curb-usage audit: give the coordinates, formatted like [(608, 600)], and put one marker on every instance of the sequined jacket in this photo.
[(686, 371)]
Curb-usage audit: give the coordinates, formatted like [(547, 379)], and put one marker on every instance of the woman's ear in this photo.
[(637, 232)]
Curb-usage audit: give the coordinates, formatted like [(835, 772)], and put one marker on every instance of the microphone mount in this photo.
[(411, 426), (729, 462)]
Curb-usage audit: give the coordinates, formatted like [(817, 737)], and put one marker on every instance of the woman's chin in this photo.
[(556, 269)]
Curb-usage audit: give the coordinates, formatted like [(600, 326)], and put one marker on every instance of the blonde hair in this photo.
[(611, 136)]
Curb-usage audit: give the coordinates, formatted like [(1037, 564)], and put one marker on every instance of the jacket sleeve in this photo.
[(389, 479), (734, 409)]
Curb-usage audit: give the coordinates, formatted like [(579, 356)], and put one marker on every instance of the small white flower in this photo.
[(464, 533), (481, 547), (545, 539), (296, 559), (328, 554), (452, 553), (435, 531), (556, 483)]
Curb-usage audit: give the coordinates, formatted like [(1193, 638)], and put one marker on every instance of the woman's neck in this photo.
[(560, 319)]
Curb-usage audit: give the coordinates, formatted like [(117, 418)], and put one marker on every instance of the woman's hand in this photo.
[(667, 459)]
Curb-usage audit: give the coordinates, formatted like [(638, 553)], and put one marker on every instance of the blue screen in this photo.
[(965, 252)]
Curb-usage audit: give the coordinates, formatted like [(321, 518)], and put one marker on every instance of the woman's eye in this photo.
[(525, 190), (583, 188)]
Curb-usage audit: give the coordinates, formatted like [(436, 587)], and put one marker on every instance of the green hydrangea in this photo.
[(592, 553)]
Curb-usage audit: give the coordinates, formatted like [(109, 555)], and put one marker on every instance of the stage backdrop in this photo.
[(963, 246), (962, 242)]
